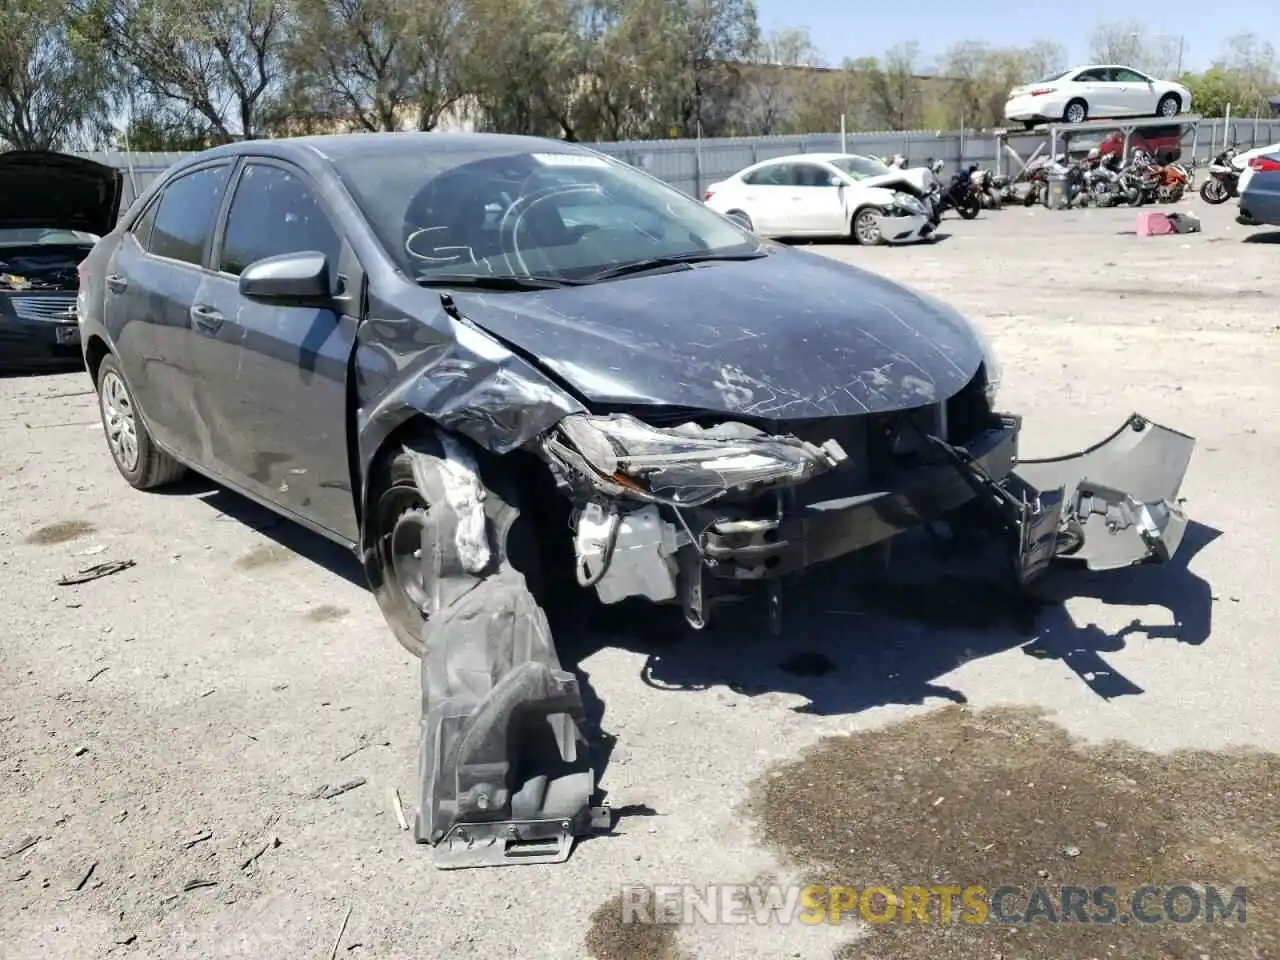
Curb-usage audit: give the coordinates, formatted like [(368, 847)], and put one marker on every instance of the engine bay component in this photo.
[(627, 555)]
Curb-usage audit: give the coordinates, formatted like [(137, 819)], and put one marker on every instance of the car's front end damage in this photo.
[(694, 514), (699, 461)]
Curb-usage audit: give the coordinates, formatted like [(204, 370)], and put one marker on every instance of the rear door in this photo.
[(769, 194), (272, 394), (1094, 86), (151, 283)]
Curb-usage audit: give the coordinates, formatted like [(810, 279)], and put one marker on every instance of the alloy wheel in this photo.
[(119, 421)]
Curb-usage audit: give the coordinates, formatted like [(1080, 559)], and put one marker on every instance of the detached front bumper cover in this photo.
[(1111, 506)]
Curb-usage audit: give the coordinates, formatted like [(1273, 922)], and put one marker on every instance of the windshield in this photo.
[(856, 168), (489, 212), (24, 236)]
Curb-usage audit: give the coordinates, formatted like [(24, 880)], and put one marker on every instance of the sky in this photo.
[(843, 28)]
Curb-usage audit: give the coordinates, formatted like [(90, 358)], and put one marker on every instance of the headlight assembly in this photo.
[(683, 466)]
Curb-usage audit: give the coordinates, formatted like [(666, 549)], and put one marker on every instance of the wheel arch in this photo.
[(95, 351)]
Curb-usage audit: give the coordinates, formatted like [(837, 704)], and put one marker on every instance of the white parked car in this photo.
[(827, 195), (1095, 92), (1244, 161)]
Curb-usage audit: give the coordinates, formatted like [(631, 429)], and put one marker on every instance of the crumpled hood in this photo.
[(917, 179), (40, 188), (789, 336)]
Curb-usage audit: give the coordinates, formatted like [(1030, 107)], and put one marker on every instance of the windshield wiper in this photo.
[(486, 282), (657, 263)]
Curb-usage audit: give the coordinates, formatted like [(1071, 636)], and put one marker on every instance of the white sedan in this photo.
[(1093, 93), (1244, 163), (827, 195)]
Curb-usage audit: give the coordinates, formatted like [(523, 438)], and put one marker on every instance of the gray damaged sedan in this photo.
[(494, 365)]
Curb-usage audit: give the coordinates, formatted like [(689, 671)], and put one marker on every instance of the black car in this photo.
[(497, 365), (53, 208)]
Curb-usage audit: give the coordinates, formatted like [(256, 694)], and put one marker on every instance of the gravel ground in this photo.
[(164, 731)]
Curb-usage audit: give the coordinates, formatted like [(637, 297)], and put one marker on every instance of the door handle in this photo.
[(206, 318), (117, 283)]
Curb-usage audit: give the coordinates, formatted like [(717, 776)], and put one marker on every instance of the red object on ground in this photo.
[(1152, 224)]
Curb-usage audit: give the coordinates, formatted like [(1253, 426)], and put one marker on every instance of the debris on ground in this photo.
[(200, 837), (327, 792), (20, 846), (97, 572), (198, 885), (253, 857), (341, 930)]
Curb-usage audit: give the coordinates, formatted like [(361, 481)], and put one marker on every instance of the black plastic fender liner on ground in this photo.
[(505, 774)]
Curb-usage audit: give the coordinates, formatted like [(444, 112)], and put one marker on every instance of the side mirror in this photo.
[(298, 279), (834, 181)]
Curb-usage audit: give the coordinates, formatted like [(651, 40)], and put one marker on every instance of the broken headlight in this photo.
[(907, 202), (686, 465)]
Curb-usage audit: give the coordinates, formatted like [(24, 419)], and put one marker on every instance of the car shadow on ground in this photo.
[(847, 646), (1266, 236), (233, 507), (848, 643)]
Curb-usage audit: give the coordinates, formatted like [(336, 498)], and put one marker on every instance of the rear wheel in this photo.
[(866, 227), (1077, 111), (139, 460)]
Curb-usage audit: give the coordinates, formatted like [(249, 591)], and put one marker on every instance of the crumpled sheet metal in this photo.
[(505, 774), (467, 383)]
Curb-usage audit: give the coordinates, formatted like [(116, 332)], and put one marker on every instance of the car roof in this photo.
[(817, 157), (339, 146)]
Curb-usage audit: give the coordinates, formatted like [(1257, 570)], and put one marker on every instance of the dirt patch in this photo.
[(326, 613), (61, 532), (1004, 798), (618, 932), (264, 555)]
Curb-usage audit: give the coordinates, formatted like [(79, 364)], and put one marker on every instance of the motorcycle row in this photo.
[(1103, 180)]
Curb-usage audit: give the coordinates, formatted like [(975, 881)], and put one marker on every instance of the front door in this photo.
[(1136, 92), (274, 378), (820, 204), (152, 280)]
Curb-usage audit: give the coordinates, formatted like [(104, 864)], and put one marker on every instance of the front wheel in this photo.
[(866, 227), (969, 207), (1214, 192), (1169, 106), (143, 464)]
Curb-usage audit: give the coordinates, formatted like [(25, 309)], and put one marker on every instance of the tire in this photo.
[(1213, 192), (969, 207), (742, 219), (1170, 105), (1077, 111), (865, 228), (399, 516), (144, 465)]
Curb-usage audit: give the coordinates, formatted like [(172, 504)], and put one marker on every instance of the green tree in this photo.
[(55, 82)]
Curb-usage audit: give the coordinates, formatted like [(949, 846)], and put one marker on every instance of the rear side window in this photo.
[(186, 214), (275, 211)]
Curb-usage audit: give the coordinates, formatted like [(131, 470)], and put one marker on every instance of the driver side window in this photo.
[(275, 212)]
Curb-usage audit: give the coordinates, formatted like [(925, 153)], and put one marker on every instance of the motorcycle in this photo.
[(982, 182), (958, 195), (1224, 178)]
